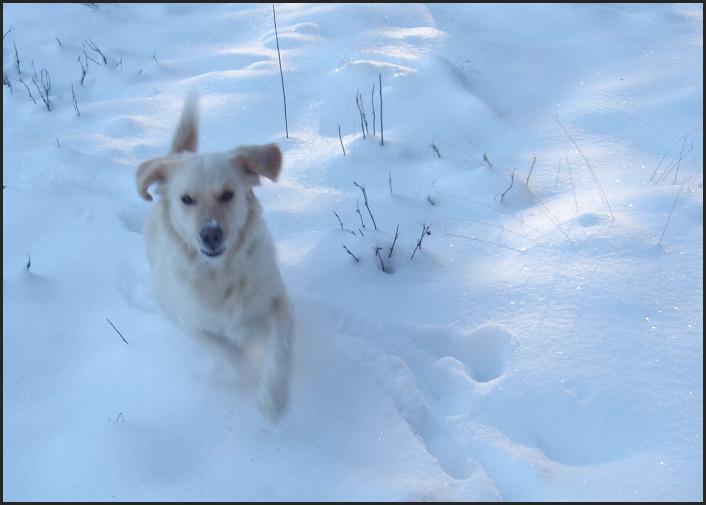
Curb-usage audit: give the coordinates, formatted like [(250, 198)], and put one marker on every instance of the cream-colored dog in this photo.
[(213, 261)]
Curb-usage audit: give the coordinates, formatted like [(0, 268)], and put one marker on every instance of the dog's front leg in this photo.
[(273, 393)]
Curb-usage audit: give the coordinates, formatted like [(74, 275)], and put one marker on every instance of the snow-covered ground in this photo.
[(545, 344)]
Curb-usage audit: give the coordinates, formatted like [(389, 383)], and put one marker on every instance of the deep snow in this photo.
[(546, 346)]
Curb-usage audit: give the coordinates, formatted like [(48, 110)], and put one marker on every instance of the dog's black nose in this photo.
[(211, 236)]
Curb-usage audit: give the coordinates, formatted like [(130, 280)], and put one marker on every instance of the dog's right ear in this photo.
[(186, 137), (150, 172)]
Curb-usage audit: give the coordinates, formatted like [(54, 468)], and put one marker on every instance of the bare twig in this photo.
[(341, 140), (59, 41), (84, 70), (29, 261), (382, 135), (360, 112), (7, 32), (85, 54), (6, 81), (372, 104), (357, 210), (530, 171), (389, 180), (436, 150), (120, 416), (45, 89), (121, 335), (349, 252), (377, 253), (281, 75), (654, 173), (588, 164), (512, 181), (154, 57), (92, 45), (425, 232), (389, 255), (120, 63), (339, 219), (676, 162), (681, 153), (365, 118), (432, 202), (73, 95), (485, 158), (365, 198), (17, 58), (341, 223), (671, 211)]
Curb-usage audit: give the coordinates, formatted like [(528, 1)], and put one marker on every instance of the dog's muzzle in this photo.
[(211, 236)]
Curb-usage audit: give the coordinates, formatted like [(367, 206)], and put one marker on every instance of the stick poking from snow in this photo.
[(530, 171), (73, 95), (92, 45), (382, 135), (372, 103), (281, 75), (671, 211), (425, 232), (365, 198), (341, 140), (377, 253), (512, 181), (394, 241), (349, 252), (121, 335), (590, 167), (17, 58)]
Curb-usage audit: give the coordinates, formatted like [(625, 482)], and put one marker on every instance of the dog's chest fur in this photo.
[(223, 297)]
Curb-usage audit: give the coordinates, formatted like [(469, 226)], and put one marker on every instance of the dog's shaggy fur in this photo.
[(213, 261)]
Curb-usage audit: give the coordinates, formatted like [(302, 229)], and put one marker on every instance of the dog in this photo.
[(213, 262)]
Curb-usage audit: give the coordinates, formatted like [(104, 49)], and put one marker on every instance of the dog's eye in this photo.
[(226, 196), (187, 200)]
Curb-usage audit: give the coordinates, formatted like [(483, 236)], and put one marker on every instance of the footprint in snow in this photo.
[(467, 365), (590, 219), (483, 352), (486, 351)]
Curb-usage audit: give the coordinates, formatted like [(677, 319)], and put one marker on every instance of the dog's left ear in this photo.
[(255, 161)]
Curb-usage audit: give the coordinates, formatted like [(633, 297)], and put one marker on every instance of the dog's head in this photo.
[(207, 197)]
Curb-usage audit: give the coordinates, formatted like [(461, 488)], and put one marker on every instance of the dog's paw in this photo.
[(272, 402)]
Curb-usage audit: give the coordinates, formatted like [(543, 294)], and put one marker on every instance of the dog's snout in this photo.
[(211, 236)]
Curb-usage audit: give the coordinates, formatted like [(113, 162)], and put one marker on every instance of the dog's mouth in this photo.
[(212, 253)]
